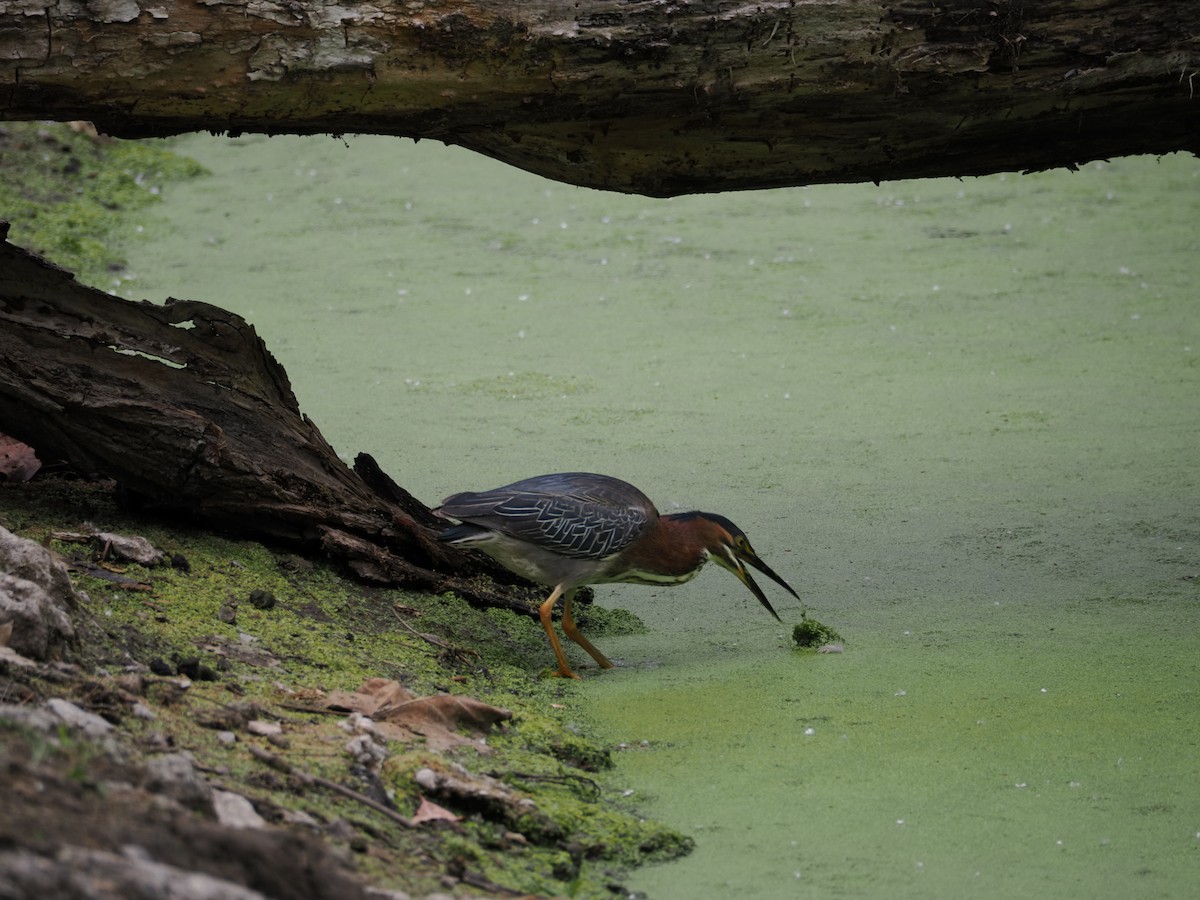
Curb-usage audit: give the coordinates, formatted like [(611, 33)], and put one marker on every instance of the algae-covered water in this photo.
[(960, 417)]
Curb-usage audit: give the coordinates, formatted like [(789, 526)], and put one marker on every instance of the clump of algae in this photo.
[(811, 634)]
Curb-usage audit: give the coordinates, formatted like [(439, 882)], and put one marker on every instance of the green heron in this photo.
[(575, 528)]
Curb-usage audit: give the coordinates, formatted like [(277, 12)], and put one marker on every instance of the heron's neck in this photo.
[(672, 549)]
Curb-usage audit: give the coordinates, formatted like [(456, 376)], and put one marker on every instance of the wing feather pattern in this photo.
[(575, 514)]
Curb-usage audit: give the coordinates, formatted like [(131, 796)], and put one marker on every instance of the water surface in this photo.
[(959, 416)]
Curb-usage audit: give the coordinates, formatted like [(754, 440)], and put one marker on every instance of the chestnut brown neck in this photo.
[(675, 545)]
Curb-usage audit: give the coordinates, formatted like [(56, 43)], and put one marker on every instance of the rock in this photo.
[(426, 779), (76, 873), (31, 717), (365, 751), (261, 599), (236, 811), (89, 723), (131, 547), (36, 598), (383, 894), (174, 775), (191, 667), (39, 624), (11, 658), (26, 559)]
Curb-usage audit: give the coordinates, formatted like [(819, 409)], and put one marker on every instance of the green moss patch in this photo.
[(217, 670), (67, 191)]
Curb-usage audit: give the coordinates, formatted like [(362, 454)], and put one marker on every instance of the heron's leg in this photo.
[(544, 613), (568, 624)]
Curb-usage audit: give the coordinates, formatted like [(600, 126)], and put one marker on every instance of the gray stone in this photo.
[(89, 723), (174, 775), (77, 873), (236, 811), (129, 546), (36, 598)]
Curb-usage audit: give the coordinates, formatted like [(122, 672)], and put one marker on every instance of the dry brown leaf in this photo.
[(5, 633), (448, 711), (429, 811), (17, 461), (439, 717), (375, 694), (402, 716)]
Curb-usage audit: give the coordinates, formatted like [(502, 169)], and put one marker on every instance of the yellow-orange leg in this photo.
[(568, 624), (544, 613)]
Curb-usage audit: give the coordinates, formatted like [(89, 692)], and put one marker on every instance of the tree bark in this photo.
[(659, 97), (184, 406)]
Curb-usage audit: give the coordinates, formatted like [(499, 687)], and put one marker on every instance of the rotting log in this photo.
[(659, 97), (183, 405)]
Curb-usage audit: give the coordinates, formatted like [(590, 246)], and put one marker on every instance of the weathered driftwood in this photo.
[(651, 96), (184, 406)]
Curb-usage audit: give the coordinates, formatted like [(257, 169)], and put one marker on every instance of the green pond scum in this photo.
[(958, 416)]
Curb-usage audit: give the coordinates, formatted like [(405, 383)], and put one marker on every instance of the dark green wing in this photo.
[(575, 514)]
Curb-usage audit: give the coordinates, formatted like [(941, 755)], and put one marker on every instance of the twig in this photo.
[(449, 648), (315, 710), (584, 788), (124, 582), (282, 765), (772, 34), (484, 884)]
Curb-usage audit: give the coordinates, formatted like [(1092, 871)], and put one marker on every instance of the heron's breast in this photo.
[(540, 565)]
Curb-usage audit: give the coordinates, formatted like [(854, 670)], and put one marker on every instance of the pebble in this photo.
[(89, 723), (236, 811), (142, 711), (175, 775), (261, 599)]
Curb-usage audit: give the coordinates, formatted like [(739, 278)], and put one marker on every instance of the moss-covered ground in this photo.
[(66, 191), (325, 633)]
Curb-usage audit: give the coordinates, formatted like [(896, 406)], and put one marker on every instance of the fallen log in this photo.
[(183, 406)]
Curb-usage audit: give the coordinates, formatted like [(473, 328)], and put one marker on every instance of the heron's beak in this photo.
[(735, 558)]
